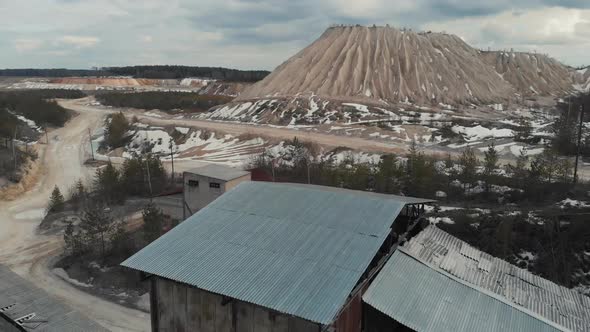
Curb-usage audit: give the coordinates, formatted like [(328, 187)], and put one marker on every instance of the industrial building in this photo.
[(204, 184), (274, 257), (24, 307), (437, 282)]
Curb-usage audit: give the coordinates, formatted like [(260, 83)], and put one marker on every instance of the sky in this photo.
[(261, 34)]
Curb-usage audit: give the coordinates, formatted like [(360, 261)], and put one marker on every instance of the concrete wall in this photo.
[(200, 196), (178, 307)]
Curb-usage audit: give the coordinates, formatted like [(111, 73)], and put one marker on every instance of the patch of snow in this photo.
[(182, 130), (527, 255), (64, 275), (153, 114), (471, 134), (436, 220), (359, 107), (30, 214), (572, 203), (516, 149)]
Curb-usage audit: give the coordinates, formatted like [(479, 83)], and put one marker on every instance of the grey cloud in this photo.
[(179, 27)]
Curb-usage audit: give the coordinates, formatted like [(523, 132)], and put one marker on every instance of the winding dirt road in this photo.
[(31, 255)]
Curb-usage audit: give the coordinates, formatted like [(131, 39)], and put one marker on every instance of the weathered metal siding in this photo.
[(350, 318), (184, 308)]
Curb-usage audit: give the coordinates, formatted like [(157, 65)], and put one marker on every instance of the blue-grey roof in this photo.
[(295, 249), (19, 298), (440, 283), (219, 172)]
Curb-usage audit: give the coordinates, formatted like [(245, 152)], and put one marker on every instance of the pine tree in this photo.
[(489, 165), (564, 128), (96, 226), (73, 240), (116, 130), (468, 163), (524, 130), (108, 185), (56, 202), (519, 171), (153, 219), (78, 194), (121, 241)]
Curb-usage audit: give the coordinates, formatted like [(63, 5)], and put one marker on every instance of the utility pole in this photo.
[(579, 142), (91, 147), (46, 136), (172, 158), (14, 148), (147, 166)]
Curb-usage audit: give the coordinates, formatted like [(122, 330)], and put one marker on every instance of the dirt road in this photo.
[(30, 254), (237, 129)]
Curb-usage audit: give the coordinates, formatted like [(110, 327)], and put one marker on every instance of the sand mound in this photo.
[(531, 74), (383, 63)]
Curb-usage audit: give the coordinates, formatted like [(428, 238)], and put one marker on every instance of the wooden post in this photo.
[(579, 143)]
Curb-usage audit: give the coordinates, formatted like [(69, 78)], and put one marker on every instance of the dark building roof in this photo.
[(219, 172), (296, 249), (19, 298), (437, 282)]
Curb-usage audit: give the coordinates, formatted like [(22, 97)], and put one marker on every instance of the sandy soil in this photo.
[(31, 255)]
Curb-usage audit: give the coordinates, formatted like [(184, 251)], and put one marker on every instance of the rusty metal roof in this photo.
[(444, 255), (295, 249)]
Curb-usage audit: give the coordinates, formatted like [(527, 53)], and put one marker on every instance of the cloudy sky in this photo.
[(260, 34)]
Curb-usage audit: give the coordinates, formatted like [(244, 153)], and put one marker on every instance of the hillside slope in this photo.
[(582, 79), (531, 74), (383, 63)]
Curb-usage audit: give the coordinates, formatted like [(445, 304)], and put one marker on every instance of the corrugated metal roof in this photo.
[(19, 298), (543, 299), (296, 249), (424, 300), (219, 172)]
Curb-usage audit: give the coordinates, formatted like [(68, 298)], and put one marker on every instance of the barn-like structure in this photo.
[(274, 257)]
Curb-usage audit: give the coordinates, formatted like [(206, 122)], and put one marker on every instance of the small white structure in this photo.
[(204, 184)]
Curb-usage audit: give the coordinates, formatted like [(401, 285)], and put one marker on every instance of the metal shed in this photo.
[(295, 249), (439, 283)]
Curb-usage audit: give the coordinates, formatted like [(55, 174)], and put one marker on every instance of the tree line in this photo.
[(465, 177), (166, 101), (177, 72), (158, 72)]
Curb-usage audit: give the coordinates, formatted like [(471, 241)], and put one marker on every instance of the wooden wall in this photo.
[(181, 308)]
